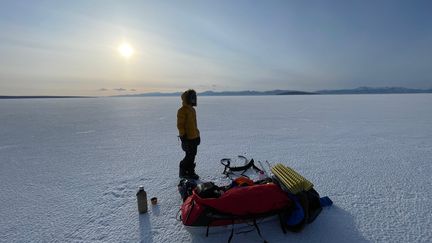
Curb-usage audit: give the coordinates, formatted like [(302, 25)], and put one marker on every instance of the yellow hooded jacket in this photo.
[(186, 120)]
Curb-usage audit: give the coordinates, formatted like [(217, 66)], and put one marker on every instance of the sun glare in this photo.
[(125, 50)]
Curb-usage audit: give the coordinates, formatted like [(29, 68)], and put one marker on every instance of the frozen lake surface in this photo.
[(70, 168)]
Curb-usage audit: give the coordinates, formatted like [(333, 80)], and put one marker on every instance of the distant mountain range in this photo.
[(369, 90), (225, 93), (248, 92), (39, 97), (359, 90)]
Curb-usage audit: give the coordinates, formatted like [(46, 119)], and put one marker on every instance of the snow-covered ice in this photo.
[(70, 168)]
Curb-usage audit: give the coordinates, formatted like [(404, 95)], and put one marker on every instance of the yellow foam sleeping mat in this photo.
[(292, 180)]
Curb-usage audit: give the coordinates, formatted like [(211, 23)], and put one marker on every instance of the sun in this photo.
[(126, 50)]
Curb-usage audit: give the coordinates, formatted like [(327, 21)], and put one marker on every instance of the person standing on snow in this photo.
[(188, 134)]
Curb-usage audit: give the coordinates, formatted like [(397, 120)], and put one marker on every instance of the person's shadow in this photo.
[(334, 224)]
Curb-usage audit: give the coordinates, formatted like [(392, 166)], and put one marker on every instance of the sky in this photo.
[(72, 47)]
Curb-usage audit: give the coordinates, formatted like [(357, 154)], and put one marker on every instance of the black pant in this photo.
[(190, 147)]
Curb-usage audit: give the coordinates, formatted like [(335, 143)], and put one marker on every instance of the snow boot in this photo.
[(191, 172), (192, 175), (187, 174)]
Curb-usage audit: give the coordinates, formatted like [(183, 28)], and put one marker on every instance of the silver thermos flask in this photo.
[(142, 200)]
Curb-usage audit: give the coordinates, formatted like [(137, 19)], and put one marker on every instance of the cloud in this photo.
[(117, 89)]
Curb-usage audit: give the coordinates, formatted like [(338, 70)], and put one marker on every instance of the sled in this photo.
[(286, 196), (237, 228)]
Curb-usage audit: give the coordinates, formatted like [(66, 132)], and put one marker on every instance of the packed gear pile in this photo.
[(285, 194)]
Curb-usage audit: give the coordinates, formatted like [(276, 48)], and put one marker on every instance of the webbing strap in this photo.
[(189, 212), (178, 216), (259, 231), (282, 223), (256, 227), (232, 232), (228, 170)]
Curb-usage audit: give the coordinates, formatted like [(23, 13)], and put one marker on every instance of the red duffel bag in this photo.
[(236, 205)]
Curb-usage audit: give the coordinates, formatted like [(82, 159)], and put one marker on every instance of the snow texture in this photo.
[(70, 168)]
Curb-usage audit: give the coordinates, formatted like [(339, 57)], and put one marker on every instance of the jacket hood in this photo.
[(189, 98), (184, 98)]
